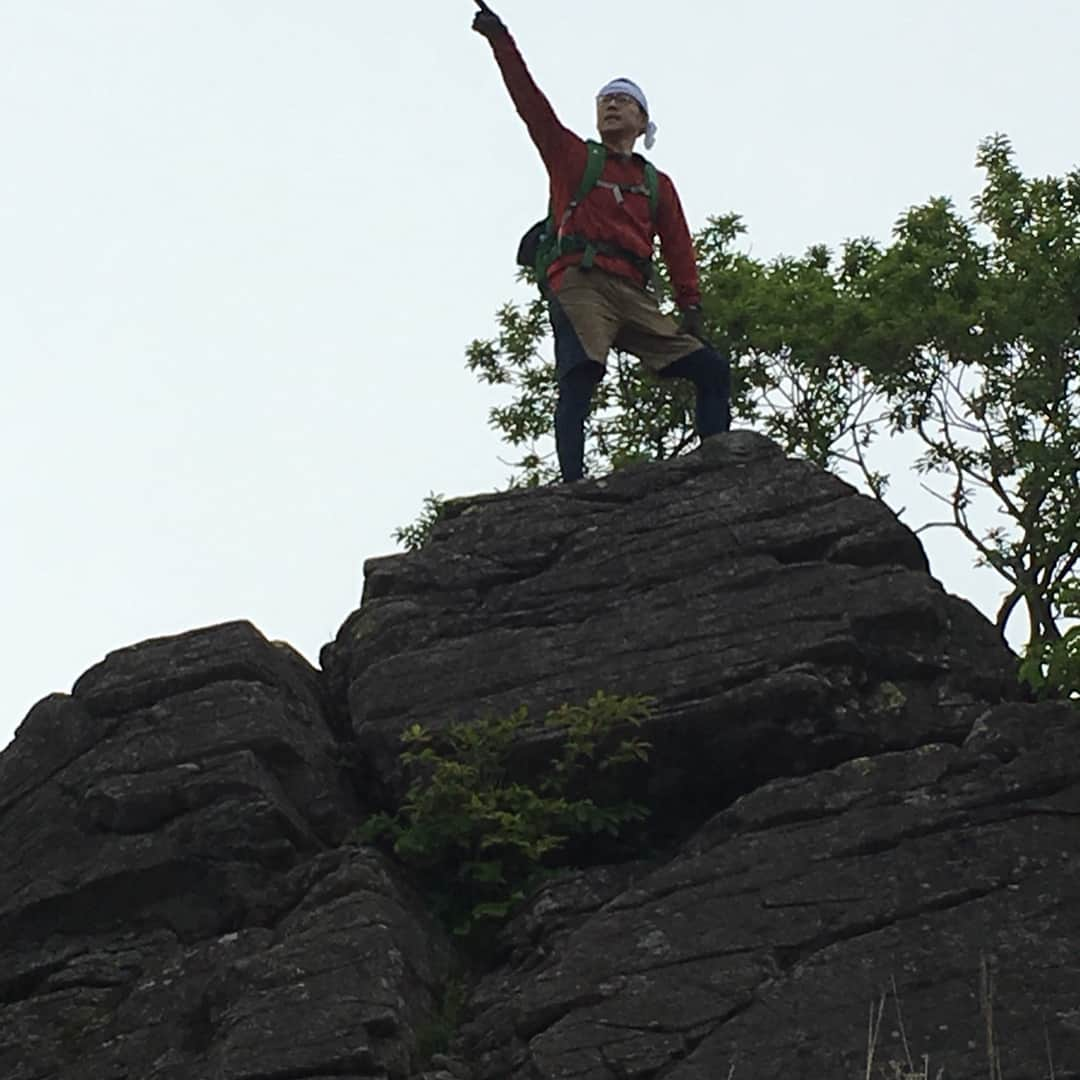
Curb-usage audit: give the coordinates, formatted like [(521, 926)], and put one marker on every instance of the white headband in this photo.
[(625, 86)]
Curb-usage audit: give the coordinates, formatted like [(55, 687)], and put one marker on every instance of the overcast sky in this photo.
[(244, 244)]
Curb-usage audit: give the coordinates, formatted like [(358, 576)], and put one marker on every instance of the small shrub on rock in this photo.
[(415, 535), (478, 838)]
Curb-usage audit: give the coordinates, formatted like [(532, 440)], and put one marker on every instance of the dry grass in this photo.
[(907, 1069)]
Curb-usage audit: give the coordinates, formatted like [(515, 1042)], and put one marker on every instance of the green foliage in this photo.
[(414, 536), (478, 838), (973, 344), (961, 334), (1052, 667), (435, 1036)]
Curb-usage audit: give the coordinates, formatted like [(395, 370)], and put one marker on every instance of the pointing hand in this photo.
[(487, 23)]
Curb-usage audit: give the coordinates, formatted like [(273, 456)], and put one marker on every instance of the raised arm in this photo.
[(546, 131)]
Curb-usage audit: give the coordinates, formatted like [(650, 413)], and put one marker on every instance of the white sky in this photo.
[(244, 243)]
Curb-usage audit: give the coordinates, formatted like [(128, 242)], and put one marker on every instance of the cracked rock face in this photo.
[(763, 943), (854, 799), (783, 623), (177, 901)]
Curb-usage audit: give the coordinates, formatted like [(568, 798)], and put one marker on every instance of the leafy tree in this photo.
[(972, 342), (961, 333), (478, 838)]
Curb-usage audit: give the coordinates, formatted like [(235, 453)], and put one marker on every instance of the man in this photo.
[(599, 284)]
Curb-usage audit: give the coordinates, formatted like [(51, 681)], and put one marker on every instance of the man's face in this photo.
[(618, 114)]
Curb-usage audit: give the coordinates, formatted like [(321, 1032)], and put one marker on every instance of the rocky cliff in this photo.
[(848, 796)]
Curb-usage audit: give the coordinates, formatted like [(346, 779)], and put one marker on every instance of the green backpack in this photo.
[(542, 244)]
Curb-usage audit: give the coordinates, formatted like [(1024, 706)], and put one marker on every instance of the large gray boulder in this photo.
[(847, 795), (763, 943), (177, 898), (782, 621), (178, 775)]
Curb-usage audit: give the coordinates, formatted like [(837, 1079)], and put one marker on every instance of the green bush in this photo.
[(479, 839), (1052, 667)]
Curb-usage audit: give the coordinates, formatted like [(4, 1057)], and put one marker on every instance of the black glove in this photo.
[(693, 322), (487, 23)]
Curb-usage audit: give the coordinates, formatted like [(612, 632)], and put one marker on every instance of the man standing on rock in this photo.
[(599, 279)]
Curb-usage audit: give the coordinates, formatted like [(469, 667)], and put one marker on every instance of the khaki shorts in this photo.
[(608, 311)]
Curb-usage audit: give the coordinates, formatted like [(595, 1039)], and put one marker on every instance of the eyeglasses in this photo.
[(617, 99)]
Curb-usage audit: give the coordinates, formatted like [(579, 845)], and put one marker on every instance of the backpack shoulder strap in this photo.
[(652, 186), (594, 168)]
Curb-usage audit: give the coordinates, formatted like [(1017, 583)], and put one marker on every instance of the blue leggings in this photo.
[(706, 368)]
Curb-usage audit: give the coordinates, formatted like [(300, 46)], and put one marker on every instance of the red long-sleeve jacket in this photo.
[(599, 216)]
